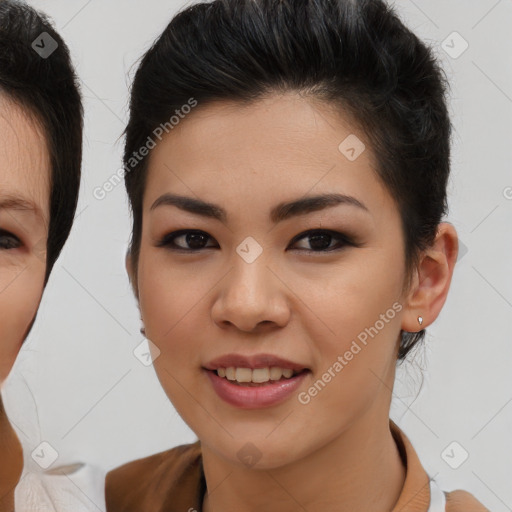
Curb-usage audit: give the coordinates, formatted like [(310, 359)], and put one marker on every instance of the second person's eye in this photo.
[(8, 241)]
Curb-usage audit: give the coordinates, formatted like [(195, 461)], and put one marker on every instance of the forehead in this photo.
[(24, 158), (229, 130), (281, 145)]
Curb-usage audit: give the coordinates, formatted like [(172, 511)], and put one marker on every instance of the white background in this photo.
[(96, 402)]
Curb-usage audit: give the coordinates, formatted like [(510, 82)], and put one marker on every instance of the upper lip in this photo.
[(254, 361)]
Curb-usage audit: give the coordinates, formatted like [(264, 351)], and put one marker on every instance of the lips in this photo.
[(255, 396), (258, 381)]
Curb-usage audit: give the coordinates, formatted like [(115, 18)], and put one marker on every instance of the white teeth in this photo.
[(243, 375), (258, 375), (287, 372), (276, 373)]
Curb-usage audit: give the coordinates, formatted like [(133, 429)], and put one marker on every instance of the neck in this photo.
[(358, 471), (11, 461)]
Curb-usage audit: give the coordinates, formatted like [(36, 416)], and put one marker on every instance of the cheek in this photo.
[(172, 304), (165, 296), (167, 299), (355, 331), (357, 300), (19, 299)]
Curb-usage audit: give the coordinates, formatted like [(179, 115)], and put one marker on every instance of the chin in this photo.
[(255, 452)]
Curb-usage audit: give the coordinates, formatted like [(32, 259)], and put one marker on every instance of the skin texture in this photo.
[(336, 452), (24, 176)]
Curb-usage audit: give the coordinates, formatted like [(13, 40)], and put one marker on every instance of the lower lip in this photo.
[(255, 397)]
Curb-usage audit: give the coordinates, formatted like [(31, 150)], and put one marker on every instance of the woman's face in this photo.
[(24, 212), (253, 285)]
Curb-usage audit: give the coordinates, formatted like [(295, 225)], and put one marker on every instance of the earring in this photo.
[(420, 320), (143, 331)]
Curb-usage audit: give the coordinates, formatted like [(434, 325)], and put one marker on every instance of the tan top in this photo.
[(173, 481), (11, 461)]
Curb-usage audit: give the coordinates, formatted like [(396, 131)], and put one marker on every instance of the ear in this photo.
[(432, 280), (131, 274)]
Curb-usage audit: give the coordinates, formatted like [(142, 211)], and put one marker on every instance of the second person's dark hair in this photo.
[(356, 56), (47, 88)]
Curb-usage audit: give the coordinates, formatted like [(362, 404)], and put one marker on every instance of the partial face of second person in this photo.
[(24, 214), (200, 299)]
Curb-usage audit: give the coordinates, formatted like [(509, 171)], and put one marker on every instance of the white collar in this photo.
[(437, 498)]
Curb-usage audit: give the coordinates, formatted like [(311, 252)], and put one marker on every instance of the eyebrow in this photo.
[(13, 202), (279, 213)]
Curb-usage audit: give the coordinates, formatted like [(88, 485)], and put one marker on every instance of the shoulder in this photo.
[(76, 486), (463, 501), (148, 483)]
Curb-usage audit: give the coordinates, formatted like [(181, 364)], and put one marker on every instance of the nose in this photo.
[(251, 298)]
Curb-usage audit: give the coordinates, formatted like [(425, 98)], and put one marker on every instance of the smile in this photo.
[(254, 389)]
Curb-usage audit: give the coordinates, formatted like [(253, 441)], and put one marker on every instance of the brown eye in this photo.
[(320, 240), (191, 240), (8, 241)]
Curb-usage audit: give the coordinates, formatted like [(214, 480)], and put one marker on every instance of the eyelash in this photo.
[(168, 240), (6, 235)]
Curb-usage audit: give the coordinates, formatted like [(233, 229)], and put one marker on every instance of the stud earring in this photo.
[(143, 331), (420, 320)]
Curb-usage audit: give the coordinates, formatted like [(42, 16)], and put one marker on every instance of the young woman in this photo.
[(286, 163), (40, 164)]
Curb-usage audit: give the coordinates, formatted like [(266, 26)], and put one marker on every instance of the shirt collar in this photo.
[(415, 495)]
